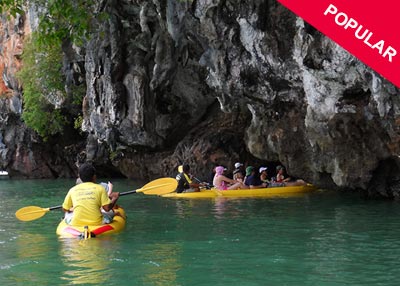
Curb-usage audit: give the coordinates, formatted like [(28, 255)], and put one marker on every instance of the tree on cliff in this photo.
[(41, 76)]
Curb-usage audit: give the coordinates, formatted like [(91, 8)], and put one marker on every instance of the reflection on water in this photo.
[(235, 207), (86, 261), (220, 207), (163, 260), (31, 245), (24, 257)]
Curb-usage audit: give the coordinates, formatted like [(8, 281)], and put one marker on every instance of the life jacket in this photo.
[(183, 182)]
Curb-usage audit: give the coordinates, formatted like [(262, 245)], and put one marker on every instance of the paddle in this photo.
[(157, 187)]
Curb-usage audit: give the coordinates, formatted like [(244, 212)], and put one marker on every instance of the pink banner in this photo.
[(366, 29)]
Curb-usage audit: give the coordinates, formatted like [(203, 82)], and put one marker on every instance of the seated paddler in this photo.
[(185, 183), (86, 199)]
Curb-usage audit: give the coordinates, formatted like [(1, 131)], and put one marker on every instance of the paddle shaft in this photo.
[(120, 194), (156, 187), (128, 193), (33, 212), (208, 185)]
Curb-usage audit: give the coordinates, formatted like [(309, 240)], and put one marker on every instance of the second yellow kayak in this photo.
[(243, 193)]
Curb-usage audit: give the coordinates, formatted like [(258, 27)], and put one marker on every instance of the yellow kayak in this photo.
[(117, 225), (244, 193)]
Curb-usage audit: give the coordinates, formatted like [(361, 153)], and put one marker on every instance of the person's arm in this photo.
[(110, 188), (108, 205), (67, 204), (198, 185), (228, 180), (263, 185), (240, 180), (254, 183), (106, 208)]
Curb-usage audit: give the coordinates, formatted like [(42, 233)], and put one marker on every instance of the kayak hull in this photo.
[(246, 193), (117, 225)]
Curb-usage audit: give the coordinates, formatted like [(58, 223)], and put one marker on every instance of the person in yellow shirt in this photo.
[(87, 198)]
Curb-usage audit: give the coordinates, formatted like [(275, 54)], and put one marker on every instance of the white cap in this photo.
[(237, 165), (262, 169)]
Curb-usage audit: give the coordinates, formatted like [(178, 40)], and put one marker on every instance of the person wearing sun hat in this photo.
[(281, 174), (222, 182), (238, 169), (264, 175), (249, 170), (280, 181), (252, 180), (262, 169)]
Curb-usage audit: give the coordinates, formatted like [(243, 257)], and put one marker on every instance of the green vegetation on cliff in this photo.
[(43, 84), (41, 76)]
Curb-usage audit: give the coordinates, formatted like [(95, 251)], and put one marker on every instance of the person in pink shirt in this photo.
[(222, 182)]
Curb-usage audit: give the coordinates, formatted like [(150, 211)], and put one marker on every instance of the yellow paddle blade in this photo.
[(31, 213), (159, 187)]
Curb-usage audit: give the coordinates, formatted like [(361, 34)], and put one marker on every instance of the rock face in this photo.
[(22, 152), (215, 82)]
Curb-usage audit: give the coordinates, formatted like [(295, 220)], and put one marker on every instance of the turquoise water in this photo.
[(318, 239)]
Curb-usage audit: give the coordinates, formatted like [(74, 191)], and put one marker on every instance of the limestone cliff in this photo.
[(214, 82), (22, 152)]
